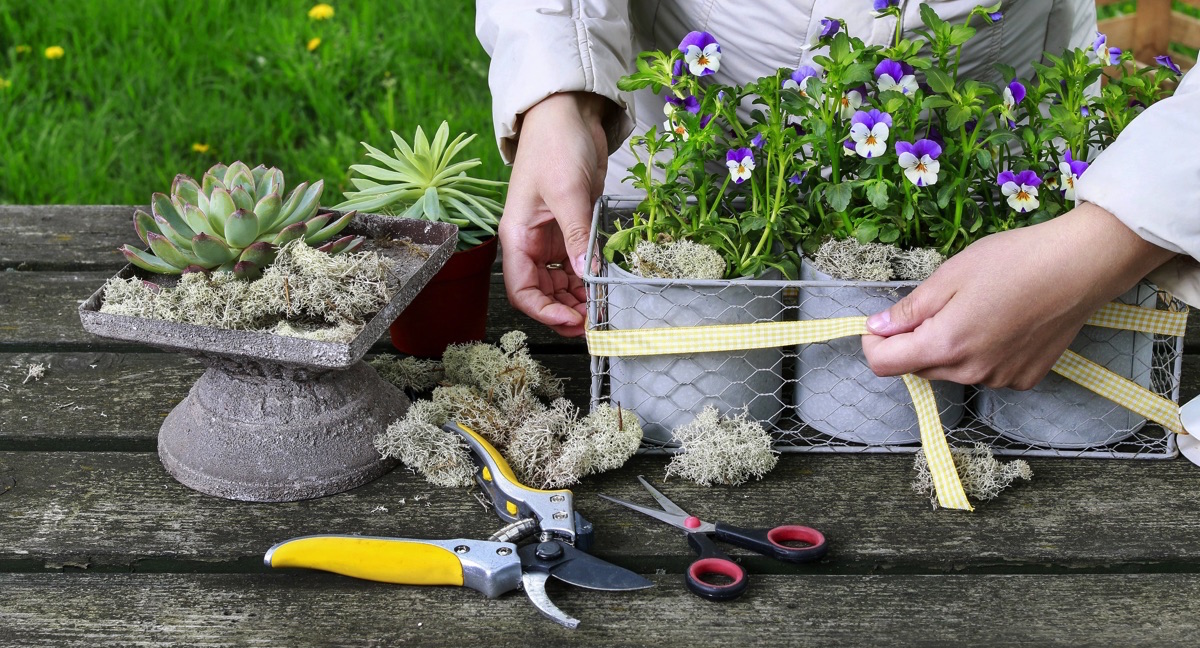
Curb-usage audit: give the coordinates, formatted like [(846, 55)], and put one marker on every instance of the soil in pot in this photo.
[(670, 390), (1058, 413), (836, 392), (452, 309)]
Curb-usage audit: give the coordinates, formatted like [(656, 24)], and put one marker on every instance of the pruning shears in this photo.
[(560, 538)]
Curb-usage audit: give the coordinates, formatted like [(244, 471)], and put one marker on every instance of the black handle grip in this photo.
[(713, 563), (770, 542)]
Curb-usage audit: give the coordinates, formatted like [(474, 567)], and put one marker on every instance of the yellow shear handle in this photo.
[(388, 560)]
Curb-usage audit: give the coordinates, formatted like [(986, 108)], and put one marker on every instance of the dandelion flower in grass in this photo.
[(701, 52), (313, 44), (919, 161), (1070, 169), (869, 131), (5, 84), (740, 162), (799, 79), (198, 147), (54, 52), (1165, 61), (24, 49), (675, 129), (1021, 189), (892, 75), (320, 12)]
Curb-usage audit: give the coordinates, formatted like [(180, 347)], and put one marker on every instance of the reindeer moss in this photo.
[(982, 476), (304, 293), (848, 259), (676, 260), (717, 450)]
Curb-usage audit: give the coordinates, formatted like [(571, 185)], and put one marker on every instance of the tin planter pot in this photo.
[(278, 418), (1058, 413), (670, 390), (836, 392), (452, 309)]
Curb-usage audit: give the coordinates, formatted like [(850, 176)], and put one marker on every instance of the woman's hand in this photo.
[(558, 173), (1001, 312)]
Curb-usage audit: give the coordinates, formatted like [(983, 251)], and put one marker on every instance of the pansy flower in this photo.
[(689, 103), (1012, 95), (919, 161), (995, 16), (701, 52), (891, 75), (675, 129), (850, 102), (740, 162), (1114, 55), (797, 178), (1071, 170), (1165, 61), (869, 132), (1021, 189), (756, 141), (1100, 45), (676, 71), (884, 5), (799, 79), (829, 27)]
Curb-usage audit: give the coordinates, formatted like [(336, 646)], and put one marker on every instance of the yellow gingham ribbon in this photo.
[(763, 335)]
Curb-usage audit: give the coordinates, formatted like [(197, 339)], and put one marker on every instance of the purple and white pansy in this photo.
[(675, 129), (740, 162), (799, 79), (869, 132), (919, 161), (829, 27), (1071, 169), (1013, 94), (1021, 189), (756, 141), (892, 75), (701, 52), (689, 103), (850, 103), (1165, 61)]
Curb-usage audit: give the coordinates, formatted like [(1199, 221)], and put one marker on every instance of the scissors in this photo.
[(712, 562)]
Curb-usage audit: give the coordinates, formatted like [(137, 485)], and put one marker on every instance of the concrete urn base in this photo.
[(279, 435)]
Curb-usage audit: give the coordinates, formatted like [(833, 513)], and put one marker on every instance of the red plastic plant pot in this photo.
[(452, 309)]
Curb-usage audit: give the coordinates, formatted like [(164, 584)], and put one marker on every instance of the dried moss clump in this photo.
[(848, 259), (409, 373), (420, 443), (317, 295), (717, 450), (515, 403), (983, 477), (681, 259)]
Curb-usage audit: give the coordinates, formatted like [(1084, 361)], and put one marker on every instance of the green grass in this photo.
[(142, 81)]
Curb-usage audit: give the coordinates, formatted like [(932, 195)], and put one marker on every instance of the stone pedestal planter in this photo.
[(1058, 413), (669, 391), (836, 392), (278, 418)]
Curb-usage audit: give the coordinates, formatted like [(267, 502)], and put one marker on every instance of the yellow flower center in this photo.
[(703, 60), (870, 140), (920, 167), (1022, 195)]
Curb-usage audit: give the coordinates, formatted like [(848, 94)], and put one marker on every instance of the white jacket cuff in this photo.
[(542, 47)]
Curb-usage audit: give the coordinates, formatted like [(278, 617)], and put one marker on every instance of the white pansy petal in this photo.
[(1009, 188), (908, 160), (732, 164), (933, 165), (859, 132), (791, 85), (881, 131)]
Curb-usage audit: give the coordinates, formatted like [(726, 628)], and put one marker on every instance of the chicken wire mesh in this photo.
[(823, 397)]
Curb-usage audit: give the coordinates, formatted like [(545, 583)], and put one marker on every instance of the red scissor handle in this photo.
[(700, 573), (773, 542)]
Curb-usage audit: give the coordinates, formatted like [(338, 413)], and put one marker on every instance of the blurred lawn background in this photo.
[(146, 89)]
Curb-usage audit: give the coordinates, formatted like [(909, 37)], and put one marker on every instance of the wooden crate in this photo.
[(1153, 27)]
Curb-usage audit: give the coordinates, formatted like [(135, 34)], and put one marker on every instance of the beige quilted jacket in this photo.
[(1150, 178)]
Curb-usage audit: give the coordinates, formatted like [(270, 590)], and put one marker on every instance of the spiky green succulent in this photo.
[(419, 181), (235, 219)]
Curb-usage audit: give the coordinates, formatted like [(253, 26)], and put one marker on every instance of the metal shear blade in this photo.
[(671, 514)]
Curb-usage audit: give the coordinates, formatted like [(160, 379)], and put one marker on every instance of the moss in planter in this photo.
[(419, 441), (851, 260), (676, 260), (983, 477), (318, 296), (717, 450)]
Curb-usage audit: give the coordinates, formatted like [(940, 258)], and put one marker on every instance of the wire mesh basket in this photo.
[(823, 397)]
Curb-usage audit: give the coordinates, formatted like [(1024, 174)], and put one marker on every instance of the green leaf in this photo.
[(957, 117), (984, 158), (753, 223), (148, 261), (935, 102), (939, 80), (866, 231), (877, 193), (838, 195), (889, 234), (960, 34), (241, 228), (165, 250), (211, 250), (621, 241)]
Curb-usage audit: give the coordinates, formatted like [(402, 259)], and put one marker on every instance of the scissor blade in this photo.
[(670, 518), (663, 500)]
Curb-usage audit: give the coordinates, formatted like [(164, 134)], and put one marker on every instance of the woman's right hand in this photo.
[(558, 174)]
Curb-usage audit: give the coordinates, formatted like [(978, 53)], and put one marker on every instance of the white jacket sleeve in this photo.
[(541, 47), (1149, 178)]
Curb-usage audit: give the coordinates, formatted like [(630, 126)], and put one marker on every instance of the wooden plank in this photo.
[(86, 401), (1120, 30), (1185, 30), (39, 311), (121, 511), (1153, 28), (296, 609), (64, 237)]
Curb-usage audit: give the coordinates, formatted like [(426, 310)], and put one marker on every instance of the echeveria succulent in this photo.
[(234, 220)]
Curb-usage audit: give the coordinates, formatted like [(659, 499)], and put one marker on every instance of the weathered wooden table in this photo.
[(99, 546)]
